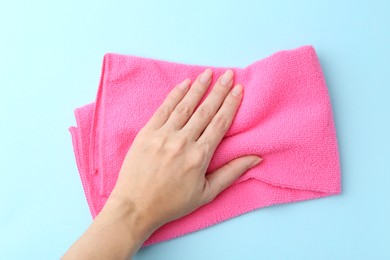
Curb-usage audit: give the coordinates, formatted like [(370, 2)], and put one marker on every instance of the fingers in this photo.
[(164, 111), (187, 105), (221, 122), (209, 107), (226, 175)]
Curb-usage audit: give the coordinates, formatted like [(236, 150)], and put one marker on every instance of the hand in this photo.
[(163, 174)]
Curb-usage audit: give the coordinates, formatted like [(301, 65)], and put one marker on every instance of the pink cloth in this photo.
[(285, 116)]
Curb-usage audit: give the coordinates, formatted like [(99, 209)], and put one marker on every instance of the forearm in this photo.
[(116, 233)]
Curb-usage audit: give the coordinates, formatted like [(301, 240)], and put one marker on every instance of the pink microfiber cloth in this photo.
[(285, 117)]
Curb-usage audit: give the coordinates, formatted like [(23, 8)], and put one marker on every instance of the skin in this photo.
[(163, 176)]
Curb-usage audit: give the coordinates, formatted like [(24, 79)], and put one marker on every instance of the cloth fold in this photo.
[(285, 117)]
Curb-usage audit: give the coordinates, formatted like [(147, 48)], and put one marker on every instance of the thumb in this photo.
[(227, 174)]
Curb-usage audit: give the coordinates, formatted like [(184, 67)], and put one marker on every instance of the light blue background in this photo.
[(50, 61)]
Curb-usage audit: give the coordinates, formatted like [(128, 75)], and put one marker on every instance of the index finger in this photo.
[(223, 119)]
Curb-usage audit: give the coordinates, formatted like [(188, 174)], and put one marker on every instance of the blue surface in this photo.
[(50, 61)]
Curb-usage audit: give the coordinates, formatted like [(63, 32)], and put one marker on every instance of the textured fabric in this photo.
[(285, 117)]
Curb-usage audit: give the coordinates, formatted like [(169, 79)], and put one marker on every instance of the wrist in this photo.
[(139, 224), (116, 233)]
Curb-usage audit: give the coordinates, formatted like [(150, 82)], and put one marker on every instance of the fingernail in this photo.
[(205, 77), (256, 162), (227, 77), (184, 85), (237, 90)]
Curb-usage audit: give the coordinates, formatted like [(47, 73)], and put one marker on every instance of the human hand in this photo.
[(163, 174)]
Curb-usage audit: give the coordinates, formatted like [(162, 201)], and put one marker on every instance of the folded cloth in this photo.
[(285, 117)]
